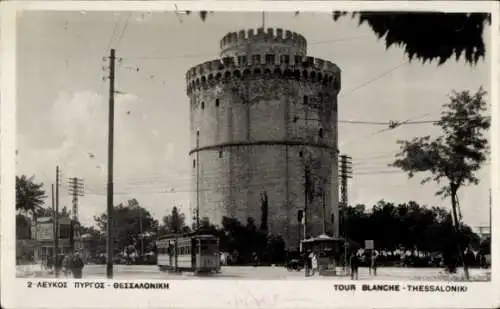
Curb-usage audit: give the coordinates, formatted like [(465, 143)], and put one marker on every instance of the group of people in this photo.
[(68, 263), (312, 264), (355, 261)]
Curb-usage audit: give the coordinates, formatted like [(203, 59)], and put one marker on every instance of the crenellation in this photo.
[(242, 35), (237, 42), (308, 68), (279, 34), (270, 33)]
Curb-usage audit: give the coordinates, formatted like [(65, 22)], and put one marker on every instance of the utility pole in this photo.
[(324, 212), (111, 120), (56, 223), (197, 214), (75, 189), (54, 214), (141, 233), (345, 174)]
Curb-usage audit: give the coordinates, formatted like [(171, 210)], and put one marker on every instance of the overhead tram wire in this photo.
[(375, 78), (174, 185), (123, 30), (210, 189)]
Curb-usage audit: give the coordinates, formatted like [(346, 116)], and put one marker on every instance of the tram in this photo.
[(189, 253)]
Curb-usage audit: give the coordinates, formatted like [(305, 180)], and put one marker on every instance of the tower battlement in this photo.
[(310, 68), (270, 37)]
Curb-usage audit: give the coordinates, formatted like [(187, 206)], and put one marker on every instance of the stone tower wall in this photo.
[(255, 126)]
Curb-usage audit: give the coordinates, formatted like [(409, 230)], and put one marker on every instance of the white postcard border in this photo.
[(226, 293)]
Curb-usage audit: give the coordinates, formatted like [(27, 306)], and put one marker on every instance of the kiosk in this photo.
[(328, 250)]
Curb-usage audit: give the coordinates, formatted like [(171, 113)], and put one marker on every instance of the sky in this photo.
[(62, 103)]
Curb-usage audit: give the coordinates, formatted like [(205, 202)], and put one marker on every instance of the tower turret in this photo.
[(270, 41)]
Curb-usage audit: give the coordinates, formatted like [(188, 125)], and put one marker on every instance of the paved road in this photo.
[(263, 273)]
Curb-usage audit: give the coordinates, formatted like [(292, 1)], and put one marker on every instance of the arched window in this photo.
[(194, 163), (216, 102), (306, 100), (301, 153), (202, 105), (220, 153), (320, 133)]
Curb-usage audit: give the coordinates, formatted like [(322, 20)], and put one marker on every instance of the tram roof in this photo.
[(323, 238), (186, 235)]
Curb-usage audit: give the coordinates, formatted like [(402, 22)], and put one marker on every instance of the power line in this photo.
[(123, 30), (378, 77), (113, 33)]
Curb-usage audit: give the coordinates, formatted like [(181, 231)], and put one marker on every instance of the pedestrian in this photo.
[(58, 262), (373, 263), (354, 266), (77, 266), (314, 263), (255, 259), (66, 264), (50, 263), (309, 263)]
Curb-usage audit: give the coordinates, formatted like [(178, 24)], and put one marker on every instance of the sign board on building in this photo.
[(369, 244), (44, 231)]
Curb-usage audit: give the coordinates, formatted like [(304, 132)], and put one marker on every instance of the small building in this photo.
[(42, 232)]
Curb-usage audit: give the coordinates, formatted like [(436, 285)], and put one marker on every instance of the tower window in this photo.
[(256, 59), (301, 153), (220, 153), (306, 100), (285, 59), (242, 60), (216, 102), (202, 105), (194, 163), (320, 133), (298, 60), (270, 59)]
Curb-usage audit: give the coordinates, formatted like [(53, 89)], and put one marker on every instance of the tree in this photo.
[(49, 212), (30, 195), (175, 222), (23, 227), (127, 223), (454, 156), (425, 35)]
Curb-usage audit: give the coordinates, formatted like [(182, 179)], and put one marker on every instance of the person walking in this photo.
[(50, 263), (314, 263), (77, 266), (373, 263), (354, 266), (66, 265), (309, 263)]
